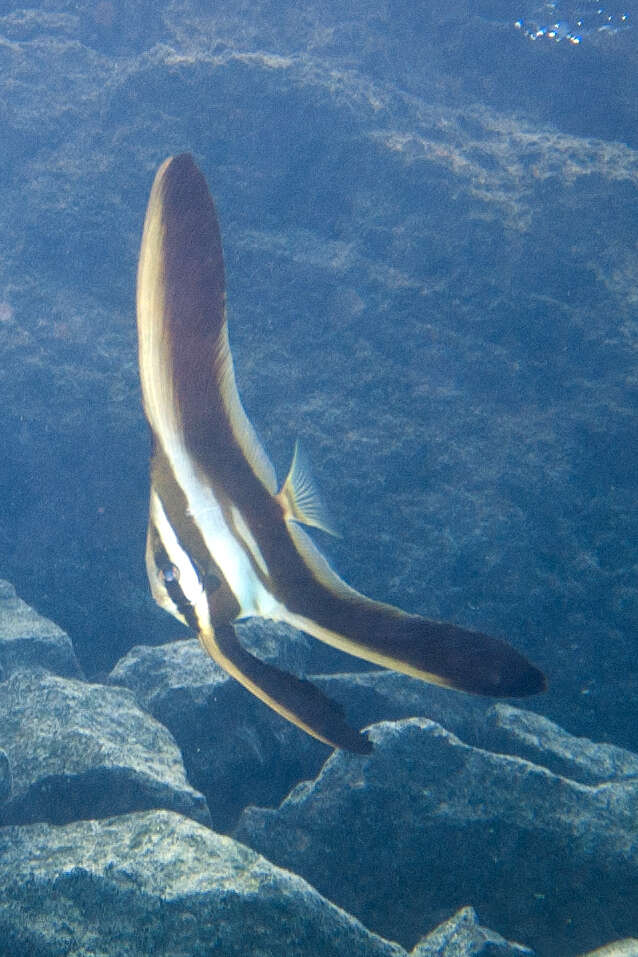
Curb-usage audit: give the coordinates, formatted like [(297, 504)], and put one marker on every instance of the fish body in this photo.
[(224, 543)]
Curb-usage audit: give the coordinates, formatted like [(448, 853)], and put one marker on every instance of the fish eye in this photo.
[(169, 573)]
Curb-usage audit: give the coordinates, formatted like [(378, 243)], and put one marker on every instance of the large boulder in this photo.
[(78, 750), (428, 823), (238, 752), (157, 883)]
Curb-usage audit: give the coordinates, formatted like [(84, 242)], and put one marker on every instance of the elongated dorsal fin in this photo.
[(299, 495), (186, 367)]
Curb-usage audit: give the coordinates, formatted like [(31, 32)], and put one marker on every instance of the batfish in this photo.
[(224, 542)]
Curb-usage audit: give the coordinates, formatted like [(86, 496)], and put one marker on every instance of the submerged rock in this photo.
[(28, 640), (619, 948), (463, 936), (373, 696), (532, 736), (427, 823), (157, 883), (78, 750)]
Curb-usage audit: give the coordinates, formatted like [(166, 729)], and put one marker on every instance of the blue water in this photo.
[(430, 231)]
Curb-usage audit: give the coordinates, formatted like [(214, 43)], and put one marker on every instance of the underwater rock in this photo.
[(158, 883), (373, 696), (27, 639), (236, 750), (79, 751), (463, 936), (387, 696), (619, 948), (528, 735), (427, 823)]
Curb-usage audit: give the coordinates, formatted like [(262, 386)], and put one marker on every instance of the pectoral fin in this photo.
[(296, 700), (300, 496)]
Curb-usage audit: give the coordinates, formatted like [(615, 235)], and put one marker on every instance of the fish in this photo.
[(224, 541)]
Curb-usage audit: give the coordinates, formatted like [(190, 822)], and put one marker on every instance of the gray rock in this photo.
[(428, 823), (373, 696), (27, 639), (385, 695), (157, 883), (151, 671), (541, 741), (236, 750), (463, 936), (78, 750), (619, 948)]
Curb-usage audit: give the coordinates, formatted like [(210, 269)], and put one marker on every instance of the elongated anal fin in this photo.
[(300, 497), (437, 652), (293, 698)]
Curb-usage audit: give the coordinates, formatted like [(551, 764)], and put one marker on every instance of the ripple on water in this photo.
[(572, 23)]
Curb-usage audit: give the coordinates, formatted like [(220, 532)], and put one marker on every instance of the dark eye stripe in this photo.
[(169, 573)]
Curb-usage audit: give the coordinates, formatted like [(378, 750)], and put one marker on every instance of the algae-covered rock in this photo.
[(373, 696)]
